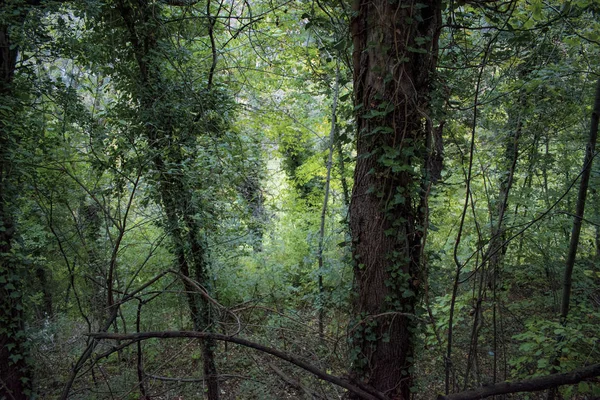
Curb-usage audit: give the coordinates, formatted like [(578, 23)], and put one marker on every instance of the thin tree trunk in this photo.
[(342, 168), (590, 149), (496, 247), (251, 191), (468, 198), (326, 200), (581, 197), (140, 356), (392, 78)]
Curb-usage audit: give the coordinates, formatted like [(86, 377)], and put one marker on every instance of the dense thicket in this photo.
[(234, 199)]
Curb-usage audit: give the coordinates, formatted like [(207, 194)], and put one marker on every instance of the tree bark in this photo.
[(395, 52), (14, 373)]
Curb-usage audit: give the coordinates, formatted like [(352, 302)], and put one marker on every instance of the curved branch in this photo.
[(135, 337), (529, 385), (180, 3)]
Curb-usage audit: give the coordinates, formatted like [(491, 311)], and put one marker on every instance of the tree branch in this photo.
[(135, 337), (529, 385), (180, 3)]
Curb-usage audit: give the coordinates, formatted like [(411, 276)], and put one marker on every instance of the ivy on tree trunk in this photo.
[(395, 51), (174, 192), (15, 380)]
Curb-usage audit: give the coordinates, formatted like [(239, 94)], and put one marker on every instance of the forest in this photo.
[(299, 199)]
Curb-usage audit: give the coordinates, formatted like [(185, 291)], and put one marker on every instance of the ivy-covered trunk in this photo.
[(165, 135), (395, 48), (14, 373), (190, 252)]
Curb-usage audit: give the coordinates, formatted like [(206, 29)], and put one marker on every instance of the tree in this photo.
[(169, 132), (395, 52), (15, 376)]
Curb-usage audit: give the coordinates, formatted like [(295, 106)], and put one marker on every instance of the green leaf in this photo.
[(583, 387), (15, 357), (416, 50)]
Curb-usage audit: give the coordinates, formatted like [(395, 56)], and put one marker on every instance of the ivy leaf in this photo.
[(416, 50), (15, 357)]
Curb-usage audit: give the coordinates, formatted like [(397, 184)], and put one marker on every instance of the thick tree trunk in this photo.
[(14, 373), (395, 48)]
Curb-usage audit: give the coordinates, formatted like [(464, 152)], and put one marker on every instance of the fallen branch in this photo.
[(365, 393), (197, 380), (293, 383), (529, 385)]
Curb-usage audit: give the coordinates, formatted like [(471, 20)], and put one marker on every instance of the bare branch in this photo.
[(529, 385), (195, 380), (135, 337), (293, 383), (180, 3)]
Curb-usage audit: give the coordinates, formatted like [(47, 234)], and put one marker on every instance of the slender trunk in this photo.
[(342, 168), (251, 191), (581, 197), (90, 225), (325, 201), (180, 213), (140, 359), (458, 240), (496, 247), (392, 79), (590, 149), (47, 309)]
